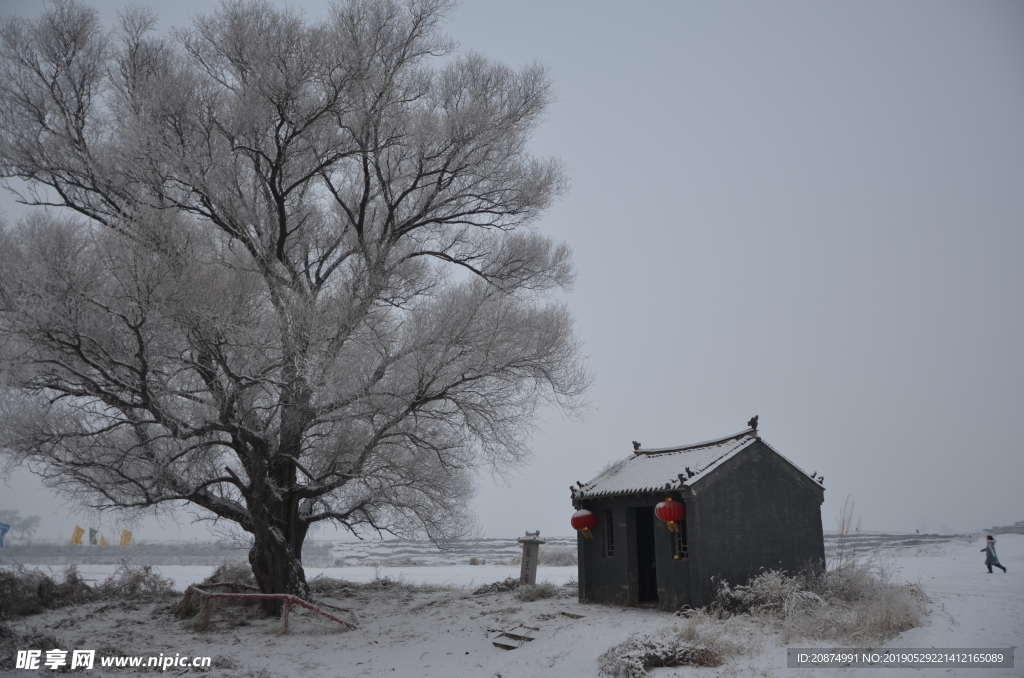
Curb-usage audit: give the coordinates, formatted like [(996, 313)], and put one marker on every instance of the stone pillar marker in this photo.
[(531, 554)]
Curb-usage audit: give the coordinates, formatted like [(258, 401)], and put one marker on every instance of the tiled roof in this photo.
[(651, 470)]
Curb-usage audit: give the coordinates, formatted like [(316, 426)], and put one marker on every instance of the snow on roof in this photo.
[(650, 470)]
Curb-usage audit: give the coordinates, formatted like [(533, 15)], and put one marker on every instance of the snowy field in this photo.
[(447, 631)]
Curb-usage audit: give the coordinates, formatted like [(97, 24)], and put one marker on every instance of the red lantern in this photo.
[(584, 521), (671, 512)]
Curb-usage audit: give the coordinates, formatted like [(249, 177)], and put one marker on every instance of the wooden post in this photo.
[(204, 613), (287, 609)]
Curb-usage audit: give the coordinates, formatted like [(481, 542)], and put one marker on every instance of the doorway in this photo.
[(646, 563)]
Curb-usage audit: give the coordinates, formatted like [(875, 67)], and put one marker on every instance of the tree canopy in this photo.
[(286, 271)]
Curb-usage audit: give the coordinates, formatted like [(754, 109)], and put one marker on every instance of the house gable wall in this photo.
[(752, 514)]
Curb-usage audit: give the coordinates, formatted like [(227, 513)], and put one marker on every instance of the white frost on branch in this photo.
[(299, 269)]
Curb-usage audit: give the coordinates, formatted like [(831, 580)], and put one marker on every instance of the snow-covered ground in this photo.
[(449, 631)]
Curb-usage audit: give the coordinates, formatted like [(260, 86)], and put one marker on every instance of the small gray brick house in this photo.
[(747, 507)]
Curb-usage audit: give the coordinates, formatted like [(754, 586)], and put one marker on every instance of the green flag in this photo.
[(92, 536)]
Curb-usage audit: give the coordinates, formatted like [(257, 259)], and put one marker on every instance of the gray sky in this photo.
[(809, 211)]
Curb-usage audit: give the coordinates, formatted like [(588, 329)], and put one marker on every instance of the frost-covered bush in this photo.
[(863, 603), (858, 602), (9, 645), (24, 592), (770, 592), (392, 585), (228, 572), (328, 586), (508, 584), (231, 572), (670, 647), (528, 592), (130, 582)]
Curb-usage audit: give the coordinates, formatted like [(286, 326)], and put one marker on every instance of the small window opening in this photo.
[(679, 549), (609, 534)]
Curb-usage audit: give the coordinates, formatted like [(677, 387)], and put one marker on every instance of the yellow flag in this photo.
[(76, 536), (126, 537), (103, 541)]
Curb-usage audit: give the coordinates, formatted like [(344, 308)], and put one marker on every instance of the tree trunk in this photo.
[(277, 564), (279, 532)]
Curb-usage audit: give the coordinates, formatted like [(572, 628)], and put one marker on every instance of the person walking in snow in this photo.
[(990, 554)]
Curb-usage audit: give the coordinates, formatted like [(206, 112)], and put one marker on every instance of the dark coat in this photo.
[(990, 553)]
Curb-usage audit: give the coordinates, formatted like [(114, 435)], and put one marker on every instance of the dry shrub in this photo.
[(856, 603), (24, 592), (509, 584), (391, 585), (188, 606), (379, 583), (10, 643), (231, 572), (223, 662), (528, 592), (770, 592), (133, 583), (670, 647), (228, 572), (328, 586), (863, 604), (201, 616)]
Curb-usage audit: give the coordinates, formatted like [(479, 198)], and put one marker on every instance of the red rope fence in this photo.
[(288, 599)]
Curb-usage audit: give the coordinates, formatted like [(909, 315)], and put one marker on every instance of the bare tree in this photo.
[(23, 526), (302, 281)]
